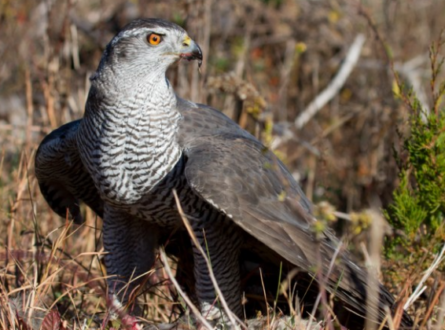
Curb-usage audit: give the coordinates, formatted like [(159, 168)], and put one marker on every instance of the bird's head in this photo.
[(147, 46)]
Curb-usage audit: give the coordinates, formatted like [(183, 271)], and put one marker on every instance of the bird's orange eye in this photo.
[(154, 39)]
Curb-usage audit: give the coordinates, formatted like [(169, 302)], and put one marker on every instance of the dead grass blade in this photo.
[(433, 303), (181, 292), (421, 287), (229, 313)]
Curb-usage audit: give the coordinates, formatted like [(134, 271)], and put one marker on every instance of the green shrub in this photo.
[(419, 202)]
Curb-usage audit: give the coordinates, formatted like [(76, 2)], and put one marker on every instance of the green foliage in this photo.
[(419, 201), (420, 198), (274, 3)]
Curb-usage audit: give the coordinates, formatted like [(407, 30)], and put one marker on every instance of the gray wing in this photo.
[(233, 171), (62, 178)]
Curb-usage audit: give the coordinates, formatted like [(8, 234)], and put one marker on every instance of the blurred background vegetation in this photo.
[(379, 142)]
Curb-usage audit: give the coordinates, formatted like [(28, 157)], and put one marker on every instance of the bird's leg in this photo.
[(221, 241), (179, 246), (130, 245)]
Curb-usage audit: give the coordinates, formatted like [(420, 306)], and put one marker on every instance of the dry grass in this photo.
[(261, 70)]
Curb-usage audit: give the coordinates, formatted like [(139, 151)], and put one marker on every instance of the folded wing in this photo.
[(62, 177), (233, 171)]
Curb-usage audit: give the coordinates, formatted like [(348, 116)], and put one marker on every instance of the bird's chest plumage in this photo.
[(130, 147), (159, 205)]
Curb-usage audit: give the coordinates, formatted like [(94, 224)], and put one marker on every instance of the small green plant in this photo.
[(419, 202)]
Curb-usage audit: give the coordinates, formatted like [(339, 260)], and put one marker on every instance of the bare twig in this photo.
[(336, 84), (324, 280), (29, 107), (265, 299), (285, 72), (410, 70), (75, 46), (389, 320), (441, 316), (373, 267)]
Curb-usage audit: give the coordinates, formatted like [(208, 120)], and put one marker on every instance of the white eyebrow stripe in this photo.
[(138, 31), (130, 33)]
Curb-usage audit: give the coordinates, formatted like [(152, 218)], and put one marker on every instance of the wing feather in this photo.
[(61, 175), (237, 174)]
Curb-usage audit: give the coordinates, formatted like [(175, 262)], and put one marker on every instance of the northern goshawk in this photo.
[(138, 141)]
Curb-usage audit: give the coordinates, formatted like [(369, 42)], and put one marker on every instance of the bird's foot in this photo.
[(130, 322), (213, 316), (117, 311), (216, 317)]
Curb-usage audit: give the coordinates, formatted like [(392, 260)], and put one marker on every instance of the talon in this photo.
[(128, 321)]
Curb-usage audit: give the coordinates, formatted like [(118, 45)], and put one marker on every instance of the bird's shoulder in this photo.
[(59, 144), (231, 160), (202, 121)]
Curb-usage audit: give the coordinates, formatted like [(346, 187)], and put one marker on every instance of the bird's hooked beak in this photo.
[(191, 51)]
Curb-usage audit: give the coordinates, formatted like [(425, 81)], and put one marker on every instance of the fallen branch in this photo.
[(336, 84)]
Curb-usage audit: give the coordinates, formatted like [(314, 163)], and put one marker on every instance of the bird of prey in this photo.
[(138, 142)]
